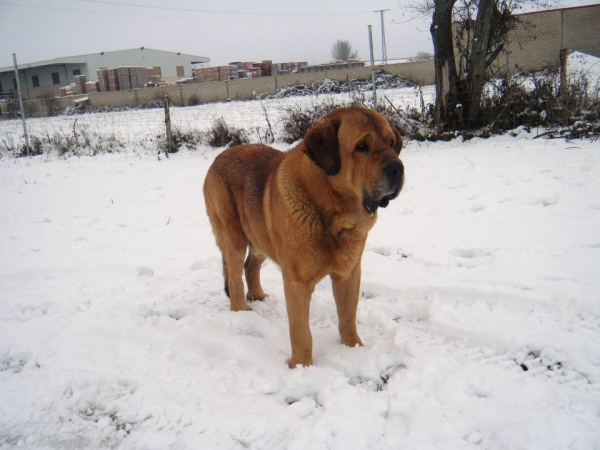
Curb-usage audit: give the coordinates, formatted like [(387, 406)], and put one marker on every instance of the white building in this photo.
[(38, 78)]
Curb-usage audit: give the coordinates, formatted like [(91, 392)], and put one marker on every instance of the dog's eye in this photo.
[(362, 147)]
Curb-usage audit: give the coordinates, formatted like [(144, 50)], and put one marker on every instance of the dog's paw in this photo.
[(252, 296), (295, 365), (352, 341), (294, 362), (240, 307)]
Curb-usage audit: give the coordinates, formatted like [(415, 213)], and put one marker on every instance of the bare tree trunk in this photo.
[(446, 90), (478, 61)]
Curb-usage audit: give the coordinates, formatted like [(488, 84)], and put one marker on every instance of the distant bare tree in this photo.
[(423, 56), (343, 51)]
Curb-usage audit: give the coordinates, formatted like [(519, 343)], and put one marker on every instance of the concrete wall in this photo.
[(243, 89), (537, 41), (420, 71)]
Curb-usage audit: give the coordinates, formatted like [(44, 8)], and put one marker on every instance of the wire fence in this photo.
[(145, 129)]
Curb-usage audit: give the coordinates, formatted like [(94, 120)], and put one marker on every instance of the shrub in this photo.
[(50, 103), (534, 99), (194, 100), (297, 120), (35, 148), (184, 137), (222, 135)]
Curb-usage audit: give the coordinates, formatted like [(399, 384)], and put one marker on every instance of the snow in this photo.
[(115, 331), (582, 63), (139, 129)]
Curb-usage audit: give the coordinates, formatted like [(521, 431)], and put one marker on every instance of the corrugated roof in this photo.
[(82, 59)]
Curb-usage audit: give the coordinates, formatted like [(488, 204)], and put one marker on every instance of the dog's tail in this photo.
[(226, 282)]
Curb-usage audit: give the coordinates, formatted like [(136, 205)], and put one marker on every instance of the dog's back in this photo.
[(237, 171)]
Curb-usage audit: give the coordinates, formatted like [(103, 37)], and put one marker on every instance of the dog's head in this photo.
[(359, 149)]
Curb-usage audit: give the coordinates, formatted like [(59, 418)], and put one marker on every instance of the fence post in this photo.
[(21, 104), (564, 85), (372, 69), (168, 124)]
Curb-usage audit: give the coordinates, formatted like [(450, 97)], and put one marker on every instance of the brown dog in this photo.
[(308, 209)]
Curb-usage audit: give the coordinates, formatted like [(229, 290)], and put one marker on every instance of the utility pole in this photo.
[(383, 49)]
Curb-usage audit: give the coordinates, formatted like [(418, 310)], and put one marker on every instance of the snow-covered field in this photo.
[(139, 129), (480, 310)]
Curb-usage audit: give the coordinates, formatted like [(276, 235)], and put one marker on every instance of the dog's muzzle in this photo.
[(387, 188)]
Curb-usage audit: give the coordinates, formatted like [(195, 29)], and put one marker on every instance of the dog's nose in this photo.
[(394, 171)]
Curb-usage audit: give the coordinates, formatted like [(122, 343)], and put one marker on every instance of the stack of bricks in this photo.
[(288, 67), (113, 80), (219, 73), (265, 67), (144, 77), (70, 89), (138, 77), (152, 78), (92, 87), (119, 79), (252, 69), (80, 81), (124, 80), (103, 84)]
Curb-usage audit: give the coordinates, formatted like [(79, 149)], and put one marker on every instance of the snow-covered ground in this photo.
[(139, 129), (480, 310)]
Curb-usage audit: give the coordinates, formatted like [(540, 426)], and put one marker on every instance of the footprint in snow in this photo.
[(145, 272), (544, 364), (545, 202), (471, 253), (388, 252)]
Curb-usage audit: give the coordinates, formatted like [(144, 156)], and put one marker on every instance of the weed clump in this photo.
[(223, 135)]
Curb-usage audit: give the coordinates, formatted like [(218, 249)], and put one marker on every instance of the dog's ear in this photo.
[(398, 142), (321, 145)]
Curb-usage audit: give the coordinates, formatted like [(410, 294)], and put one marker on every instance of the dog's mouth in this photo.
[(371, 205), (385, 189)]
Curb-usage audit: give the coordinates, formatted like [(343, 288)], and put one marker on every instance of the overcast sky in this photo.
[(224, 30)]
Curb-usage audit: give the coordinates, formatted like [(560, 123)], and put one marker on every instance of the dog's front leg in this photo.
[(346, 290), (297, 300)]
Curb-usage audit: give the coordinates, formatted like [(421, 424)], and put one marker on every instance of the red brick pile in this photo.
[(114, 79), (218, 73)]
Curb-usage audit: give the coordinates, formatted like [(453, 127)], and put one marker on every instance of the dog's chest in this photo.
[(347, 237)]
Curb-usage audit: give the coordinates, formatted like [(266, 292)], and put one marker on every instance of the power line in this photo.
[(210, 11), (315, 16)]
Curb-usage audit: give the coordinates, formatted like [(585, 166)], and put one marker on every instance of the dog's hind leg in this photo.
[(233, 266), (233, 246), (226, 283), (252, 267)]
